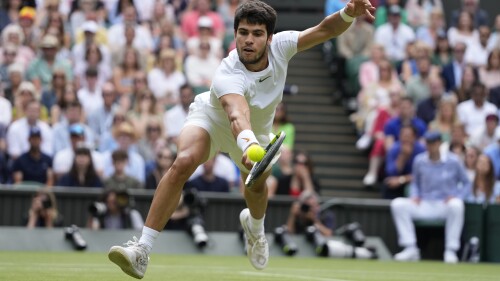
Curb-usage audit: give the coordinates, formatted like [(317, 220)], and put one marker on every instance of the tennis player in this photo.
[(237, 112)]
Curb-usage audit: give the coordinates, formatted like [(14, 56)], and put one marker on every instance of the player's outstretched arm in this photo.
[(334, 24)]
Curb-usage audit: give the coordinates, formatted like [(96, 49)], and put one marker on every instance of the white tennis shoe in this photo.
[(256, 245), (132, 259)]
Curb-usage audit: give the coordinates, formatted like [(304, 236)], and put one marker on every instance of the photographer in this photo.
[(43, 210), (306, 212), (114, 211)]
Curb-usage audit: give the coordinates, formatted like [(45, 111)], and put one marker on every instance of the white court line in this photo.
[(287, 276)]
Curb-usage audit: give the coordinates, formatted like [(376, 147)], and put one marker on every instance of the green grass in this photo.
[(28, 266)]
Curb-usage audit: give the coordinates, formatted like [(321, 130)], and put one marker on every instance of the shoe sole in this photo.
[(118, 256), (243, 216)]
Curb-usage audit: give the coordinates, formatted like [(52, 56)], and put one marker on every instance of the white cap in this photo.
[(205, 21), (90, 26)]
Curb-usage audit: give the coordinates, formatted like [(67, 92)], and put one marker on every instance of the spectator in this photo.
[(57, 110), (101, 119), (119, 180), (485, 189), (151, 143), (164, 80), (145, 109), (227, 9), (282, 122), (142, 40), (417, 86), (399, 161), (477, 51), (369, 70), (107, 141), (64, 158), (469, 78), (123, 75), (41, 69), (494, 41), (5, 108), (442, 51), (457, 143), (200, 68), (117, 212), (480, 16), (464, 32), (208, 181), (489, 74), (356, 41), (27, 17), (55, 27), (175, 117), (224, 168), (306, 212), (383, 13), (93, 59), (43, 211), (26, 93), (483, 137), (9, 12), (473, 112), (434, 194), (205, 34), (16, 76), (426, 109), (9, 55), (13, 35), (453, 71), (80, 50), (394, 35), (446, 118), (126, 136), (33, 166), (82, 173), (471, 155), (189, 22), (56, 93), (90, 95), (19, 131), (420, 12), (139, 87), (164, 160), (61, 130)]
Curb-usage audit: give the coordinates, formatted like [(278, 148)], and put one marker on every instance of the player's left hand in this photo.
[(356, 8)]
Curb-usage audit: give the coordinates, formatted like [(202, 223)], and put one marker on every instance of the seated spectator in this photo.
[(164, 80), (16, 76), (205, 34), (471, 155), (369, 70), (13, 34), (164, 160), (452, 72), (107, 141), (117, 212), (224, 167), (43, 210), (489, 74), (446, 118), (174, 118), (494, 41), (383, 13), (119, 180), (116, 33), (82, 173), (124, 73), (417, 86), (464, 31), (412, 65), (90, 94), (145, 109), (477, 51), (357, 40), (306, 212), (151, 143), (64, 159), (485, 189), (483, 137), (458, 142), (442, 51), (281, 122), (33, 166), (57, 110), (5, 108), (101, 119), (480, 16), (189, 21), (434, 194), (200, 67), (26, 93), (61, 130), (473, 112), (430, 32), (426, 109), (208, 181), (56, 93), (469, 78), (18, 132), (9, 55), (493, 152), (399, 161)]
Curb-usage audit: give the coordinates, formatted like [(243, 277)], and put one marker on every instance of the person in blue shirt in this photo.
[(399, 161), (438, 181), (208, 181)]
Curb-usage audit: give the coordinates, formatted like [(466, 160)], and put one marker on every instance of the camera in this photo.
[(471, 251), (195, 222), (282, 238), (318, 241), (46, 203), (72, 233), (305, 208), (353, 233), (98, 209)]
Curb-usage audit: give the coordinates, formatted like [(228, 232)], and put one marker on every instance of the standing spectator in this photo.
[(164, 80), (282, 122), (189, 22), (19, 131), (446, 118), (61, 130), (120, 180), (480, 16), (434, 194), (174, 118), (41, 69), (420, 12), (399, 161), (473, 112), (43, 210), (394, 35), (489, 74), (464, 32), (164, 160), (426, 109), (208, 181), (82, 173), (477, 51), (33, 166), (483, 137), (485, 189), (452, 72)]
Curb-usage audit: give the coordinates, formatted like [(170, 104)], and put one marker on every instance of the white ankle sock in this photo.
[(148, 237), (257, 226)]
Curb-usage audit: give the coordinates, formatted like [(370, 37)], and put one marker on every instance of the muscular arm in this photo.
[(238, 112), (333, 25)]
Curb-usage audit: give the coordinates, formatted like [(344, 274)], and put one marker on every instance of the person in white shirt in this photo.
[(201, 66), (5, 108), (477, 53), (143, 39), (236, 113), (90, 95), (164, 80), (473, 112), (394, 35), (175, 117), (206, 33)]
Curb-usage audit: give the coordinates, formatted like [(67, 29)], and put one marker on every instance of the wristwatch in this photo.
[(402, 179)]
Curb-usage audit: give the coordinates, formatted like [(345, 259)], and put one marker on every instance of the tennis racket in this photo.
[(271, 150)]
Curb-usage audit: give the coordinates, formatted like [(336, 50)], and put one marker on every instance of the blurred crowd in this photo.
[(418, 68)]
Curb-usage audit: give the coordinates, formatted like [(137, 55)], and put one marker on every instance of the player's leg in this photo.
[(252, 221), (194, 149)]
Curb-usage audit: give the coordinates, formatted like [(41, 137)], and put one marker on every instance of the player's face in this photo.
[(251, 44)]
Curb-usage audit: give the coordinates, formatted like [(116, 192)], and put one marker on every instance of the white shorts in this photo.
[(221, 136)]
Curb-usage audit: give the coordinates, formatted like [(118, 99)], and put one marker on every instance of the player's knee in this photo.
[(184, 165)]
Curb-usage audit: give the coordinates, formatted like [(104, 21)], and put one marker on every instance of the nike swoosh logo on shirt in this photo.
[(263, 79)]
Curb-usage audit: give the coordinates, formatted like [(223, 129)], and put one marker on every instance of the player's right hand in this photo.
[(245, 160)]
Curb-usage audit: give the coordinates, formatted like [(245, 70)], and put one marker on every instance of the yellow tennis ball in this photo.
[(255, 152)]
